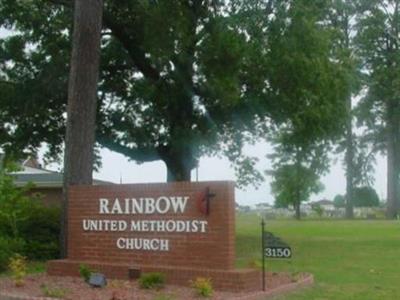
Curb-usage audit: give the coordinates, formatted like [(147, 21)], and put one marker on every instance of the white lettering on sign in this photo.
[(169, 226), (147, 206), (163, 208), (143, 244), (161, 205), (103, 206), (196, 226), (116, 208), (104, 225)]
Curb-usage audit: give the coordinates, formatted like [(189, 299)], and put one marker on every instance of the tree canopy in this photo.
[(377, 43), (178, 79), (339, 201), (175, 80), (365, 196), (314, 85)]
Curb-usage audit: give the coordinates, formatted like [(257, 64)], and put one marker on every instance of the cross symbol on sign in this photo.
[(203, 201)]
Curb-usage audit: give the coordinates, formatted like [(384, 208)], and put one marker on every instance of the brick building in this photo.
[(47, 183)]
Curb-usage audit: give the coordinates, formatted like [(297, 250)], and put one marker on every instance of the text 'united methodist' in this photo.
[(164, 212)]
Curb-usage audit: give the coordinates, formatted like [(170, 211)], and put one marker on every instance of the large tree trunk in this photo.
[(177, 172), (392, 178), (393, 161), (179, 164), (179, 157), (391, 184), (349, 161), (82, 95), (297, 209), (297, 201)]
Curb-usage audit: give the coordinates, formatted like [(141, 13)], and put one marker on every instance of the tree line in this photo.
[(181, 79)]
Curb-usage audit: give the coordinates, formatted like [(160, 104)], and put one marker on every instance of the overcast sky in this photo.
[(116, 167)]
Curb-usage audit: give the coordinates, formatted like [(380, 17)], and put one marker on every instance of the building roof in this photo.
[(46, 180), (323, 202), (43, 178), (263, 205)]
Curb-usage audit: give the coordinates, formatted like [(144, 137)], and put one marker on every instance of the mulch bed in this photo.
[(75, 288)]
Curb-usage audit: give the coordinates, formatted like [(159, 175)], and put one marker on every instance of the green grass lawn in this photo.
[(357, 260), (349, 259)]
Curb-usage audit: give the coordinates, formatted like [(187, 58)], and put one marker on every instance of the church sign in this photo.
[(181, 229)]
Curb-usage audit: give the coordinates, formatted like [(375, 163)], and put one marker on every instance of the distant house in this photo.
[(263, 206), (306, 208), (326, 205), (242, 208), (47, 183)]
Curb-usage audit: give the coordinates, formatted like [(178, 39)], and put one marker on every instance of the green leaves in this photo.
[(293, 184), (307, 85), (171, 81), (14, 204), (178, 79)]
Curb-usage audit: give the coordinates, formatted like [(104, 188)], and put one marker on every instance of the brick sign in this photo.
[(181, 229)]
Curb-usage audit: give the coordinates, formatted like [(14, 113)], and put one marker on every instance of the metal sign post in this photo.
[(272, 247)]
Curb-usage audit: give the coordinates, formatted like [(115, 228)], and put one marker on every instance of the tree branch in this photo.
[(67, 3), (144, 154), (128, 42), (131, 45), (8, 82), (268, 8)]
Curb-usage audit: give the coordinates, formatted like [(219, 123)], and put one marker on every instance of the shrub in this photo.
[(152, 280), (41, 231), (53, 292), (318, 210), (25, 217), (203, 287), (15, 206), (18, 269), (339, 201), (8, 248), (296, 276), (254, 264), (365, 196), (85, 272)]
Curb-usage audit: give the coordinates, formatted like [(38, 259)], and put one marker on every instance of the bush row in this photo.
[(26, 226), (8, 247), (37, 236)]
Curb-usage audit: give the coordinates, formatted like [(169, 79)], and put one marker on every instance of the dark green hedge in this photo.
[(8, 247), (41, 233), (38, 236)]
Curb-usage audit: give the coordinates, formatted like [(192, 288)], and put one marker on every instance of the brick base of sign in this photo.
[(240, 280)]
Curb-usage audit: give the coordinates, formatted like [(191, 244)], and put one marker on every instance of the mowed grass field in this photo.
[(357, 260)]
